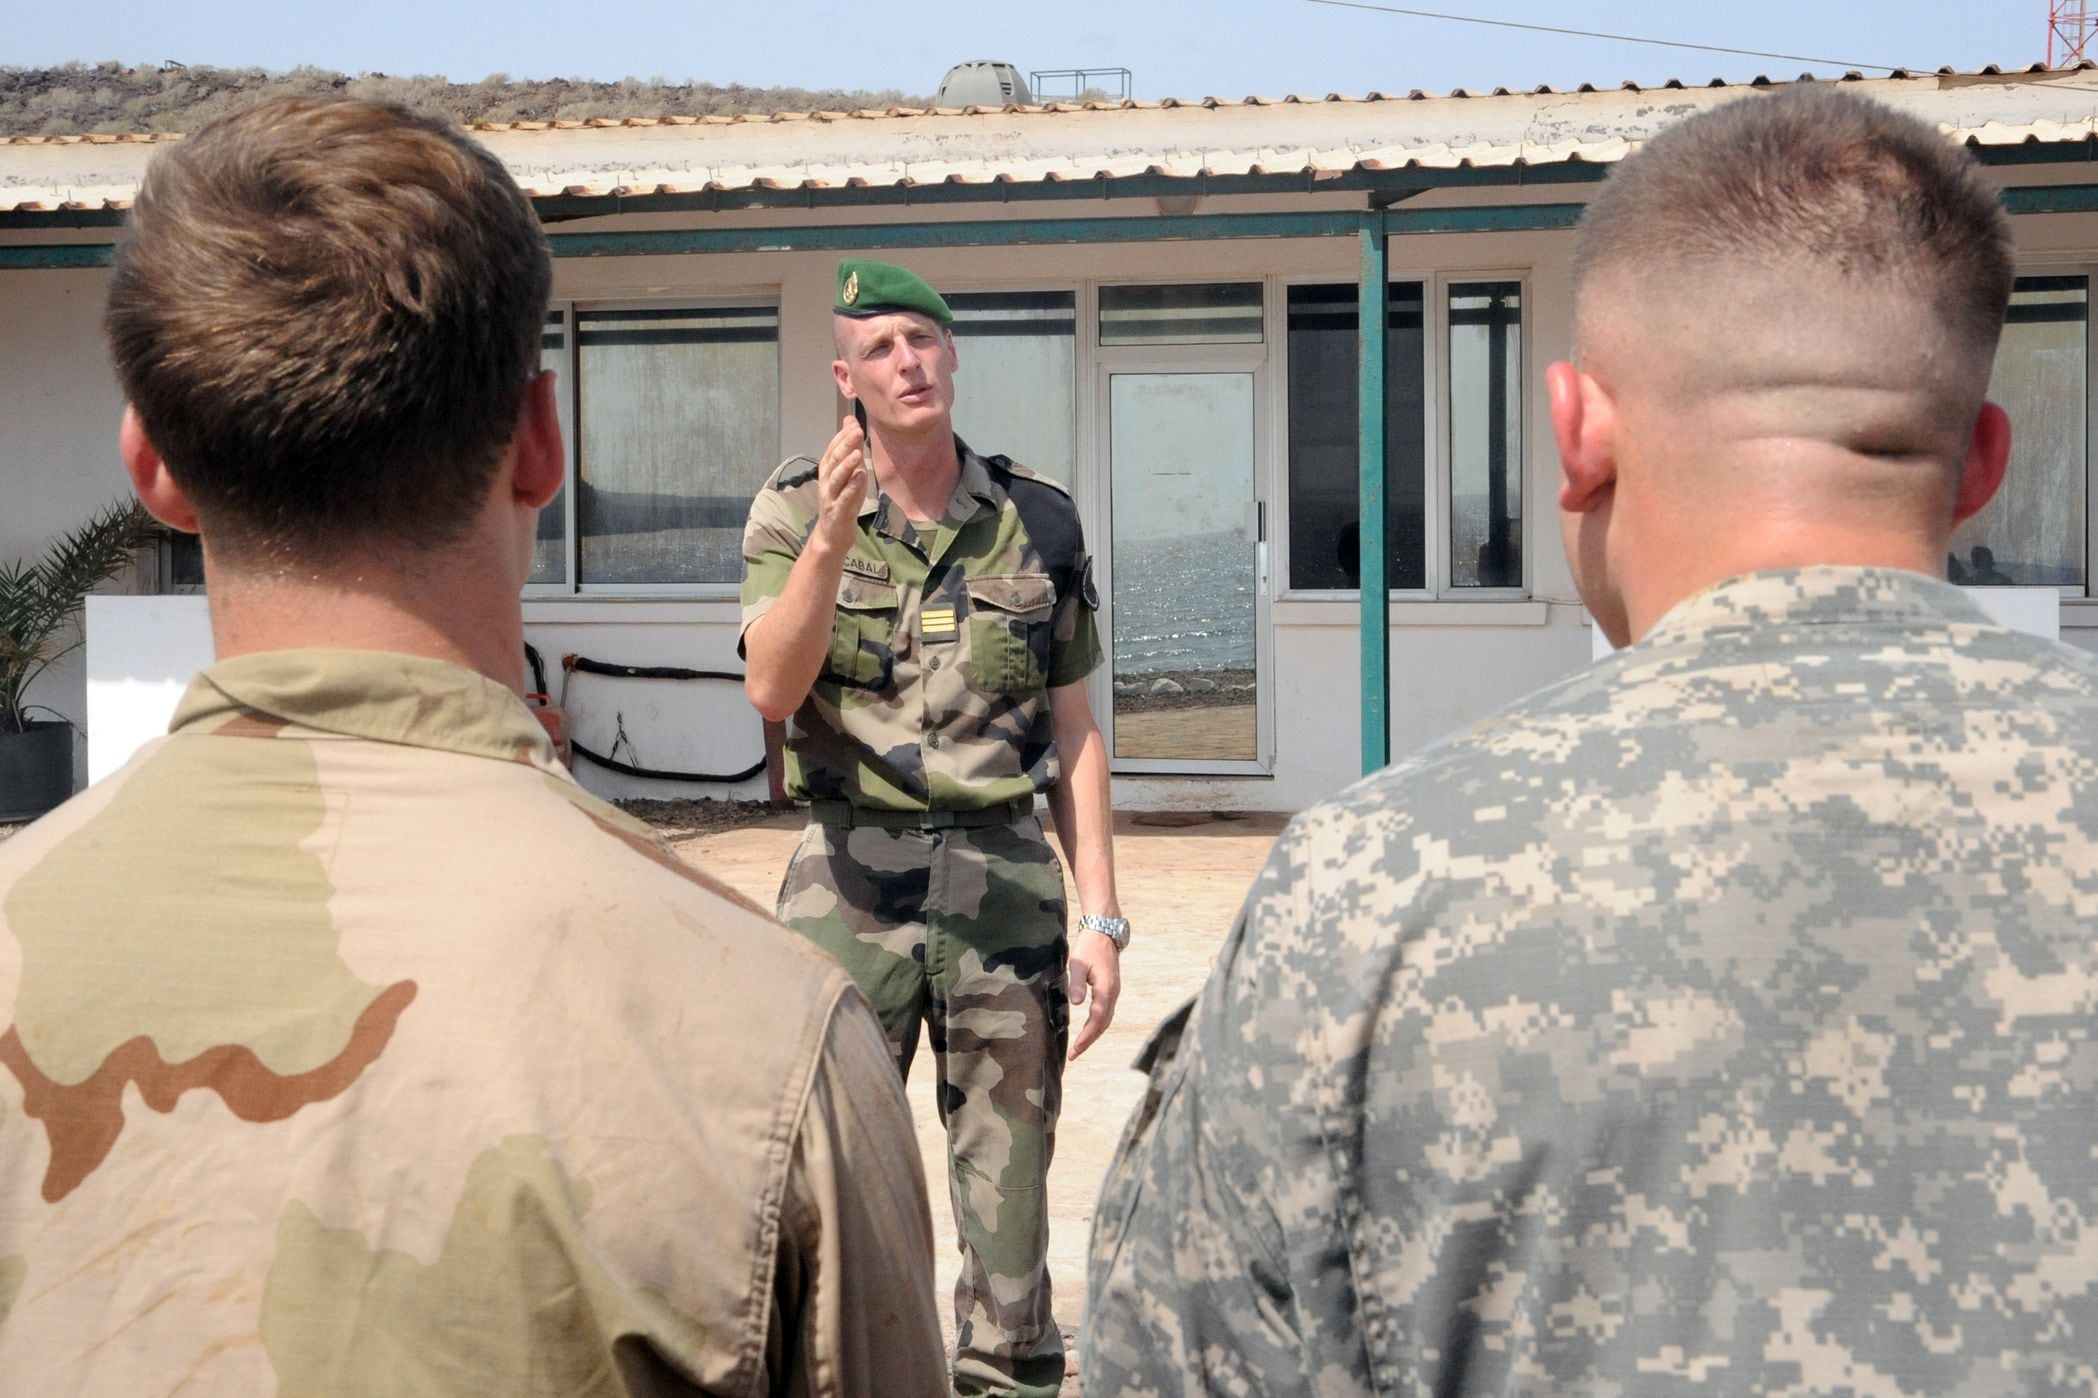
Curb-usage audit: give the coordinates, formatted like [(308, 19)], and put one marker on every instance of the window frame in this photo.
[(1436, 495), (2083, 599), (1443, 462), (767, 297)]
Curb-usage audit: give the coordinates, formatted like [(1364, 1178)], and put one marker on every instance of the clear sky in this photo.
[(1176, 48)]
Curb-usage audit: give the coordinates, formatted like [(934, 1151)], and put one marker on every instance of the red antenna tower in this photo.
[(2072, 22)]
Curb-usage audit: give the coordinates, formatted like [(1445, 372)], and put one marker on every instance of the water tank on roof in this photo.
[(983, 83)]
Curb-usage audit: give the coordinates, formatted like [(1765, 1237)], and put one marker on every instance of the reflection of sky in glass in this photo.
[(2033, 531), (1182, 481), (1183, 454)]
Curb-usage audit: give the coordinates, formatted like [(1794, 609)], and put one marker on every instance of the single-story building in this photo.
[(1159, 304)]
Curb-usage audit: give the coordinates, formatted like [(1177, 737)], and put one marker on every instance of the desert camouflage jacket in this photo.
[(934, 695), (351, 1047), (1720, 1019)]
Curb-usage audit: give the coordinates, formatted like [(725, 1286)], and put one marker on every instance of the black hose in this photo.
[(644, 672)]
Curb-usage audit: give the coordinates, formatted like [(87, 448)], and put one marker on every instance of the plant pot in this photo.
[(36, 770)]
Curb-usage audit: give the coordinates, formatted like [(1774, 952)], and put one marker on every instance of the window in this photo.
[(549, 548), (1480, 325), (1015, 383), (1324, 450), (2033, 532), (675, 425), (1224, 313), (1485, 416)]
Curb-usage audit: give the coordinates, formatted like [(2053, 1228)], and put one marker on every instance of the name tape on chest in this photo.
[(867, 567)]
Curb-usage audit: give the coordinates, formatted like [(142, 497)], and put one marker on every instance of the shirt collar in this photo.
[(383, 696), (973, 495), (1816, 596)]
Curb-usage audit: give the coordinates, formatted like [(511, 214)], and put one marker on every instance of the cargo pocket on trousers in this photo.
[(862, 635), (1010, 618)]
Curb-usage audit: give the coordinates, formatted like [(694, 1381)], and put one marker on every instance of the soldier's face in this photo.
[(901, 366)]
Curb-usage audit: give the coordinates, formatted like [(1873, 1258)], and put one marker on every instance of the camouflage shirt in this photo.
[(934, 695), (353, 1048), (1723, 1018)]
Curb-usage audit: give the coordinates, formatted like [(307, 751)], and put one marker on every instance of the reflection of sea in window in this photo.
[(2033, 531), (678, 427), (1014, 387), (1486, 434), (1325, 493)]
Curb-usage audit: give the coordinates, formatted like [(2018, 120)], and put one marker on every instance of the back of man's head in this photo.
[(1809, 191), (1785, 315), (326, 314), (1801, 238)]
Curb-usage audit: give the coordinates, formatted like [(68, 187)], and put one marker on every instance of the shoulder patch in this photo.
[(1005, 465)]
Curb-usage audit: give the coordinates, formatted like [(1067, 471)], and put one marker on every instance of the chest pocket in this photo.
[(863, 635), (1010, 617)]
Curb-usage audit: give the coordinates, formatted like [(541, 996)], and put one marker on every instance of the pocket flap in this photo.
[(856, 594), (1013, 592)]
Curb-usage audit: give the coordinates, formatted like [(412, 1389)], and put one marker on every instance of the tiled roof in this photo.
[(911, 148)]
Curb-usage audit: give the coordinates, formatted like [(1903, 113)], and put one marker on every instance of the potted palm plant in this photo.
[(40, 602)]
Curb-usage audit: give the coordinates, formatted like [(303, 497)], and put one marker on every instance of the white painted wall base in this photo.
[(141, 653)]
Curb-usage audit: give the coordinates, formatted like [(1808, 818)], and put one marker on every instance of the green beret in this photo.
[(870, 288)]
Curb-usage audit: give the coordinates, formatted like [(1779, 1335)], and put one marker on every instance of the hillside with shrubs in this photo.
[(110, 98)]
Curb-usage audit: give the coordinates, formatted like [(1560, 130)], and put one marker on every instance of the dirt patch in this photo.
[(689, 818)]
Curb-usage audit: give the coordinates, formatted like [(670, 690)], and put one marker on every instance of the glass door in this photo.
[(1186, 564)]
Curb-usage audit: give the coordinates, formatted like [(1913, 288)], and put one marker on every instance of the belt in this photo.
[(844, 813)]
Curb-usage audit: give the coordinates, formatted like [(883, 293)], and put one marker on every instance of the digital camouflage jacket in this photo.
[(1723, 1019)]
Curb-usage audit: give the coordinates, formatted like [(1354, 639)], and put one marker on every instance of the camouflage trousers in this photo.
[(964, 930)]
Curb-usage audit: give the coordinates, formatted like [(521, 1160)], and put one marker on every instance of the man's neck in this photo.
[(463, 623), (918, 473)]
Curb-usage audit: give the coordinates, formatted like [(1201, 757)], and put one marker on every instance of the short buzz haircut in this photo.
[(326, 314), (1809, 176)]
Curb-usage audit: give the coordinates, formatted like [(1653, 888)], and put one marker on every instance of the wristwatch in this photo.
[(1115, 929)]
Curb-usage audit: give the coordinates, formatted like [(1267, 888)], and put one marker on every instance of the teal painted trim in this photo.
[(1370, 318), (2052, 199), (975, 233), (563, 207), (1487, 218), (48, 256)]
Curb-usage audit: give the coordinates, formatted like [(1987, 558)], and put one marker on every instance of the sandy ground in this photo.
[(1180, 879)]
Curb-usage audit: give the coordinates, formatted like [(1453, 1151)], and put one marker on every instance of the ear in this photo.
[(1584, 422), (1988, 454), (157, 490), (954, 358), (839, 372), (542, 460)]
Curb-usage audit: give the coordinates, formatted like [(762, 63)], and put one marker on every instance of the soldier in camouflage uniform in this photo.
[(1719, 1019), (928, 639), (350, 1046)]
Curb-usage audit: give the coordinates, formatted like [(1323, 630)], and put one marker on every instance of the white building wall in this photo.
[(1452, 661), (59, 408)]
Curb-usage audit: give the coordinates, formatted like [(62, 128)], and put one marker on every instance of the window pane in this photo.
[(549, 547), (679, 427), (1226, 314), (1486, 433), (2033, 531), (1013, 386), (1324, 425)]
